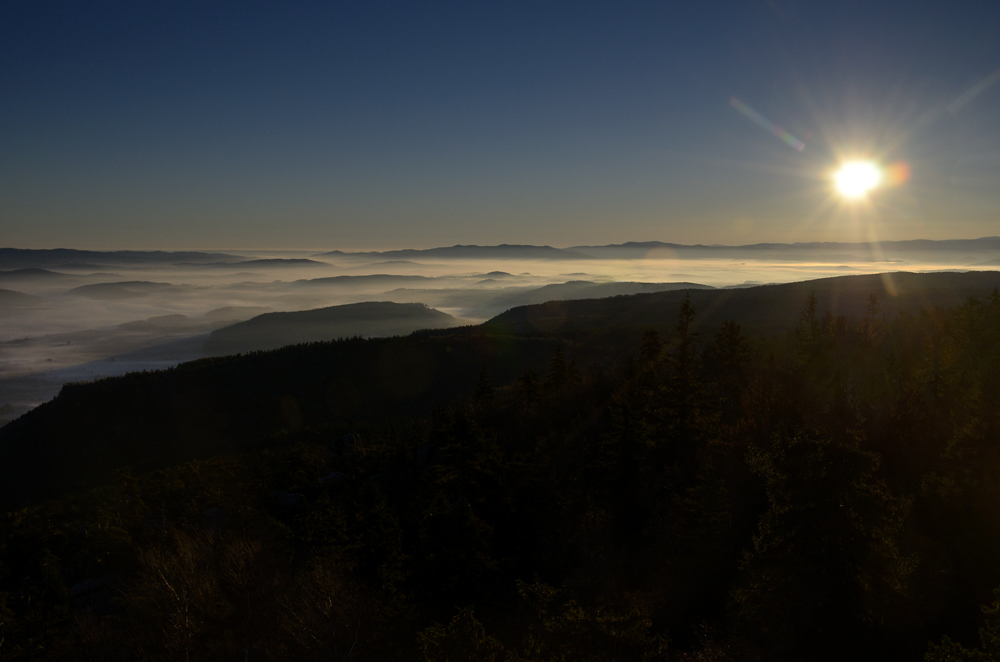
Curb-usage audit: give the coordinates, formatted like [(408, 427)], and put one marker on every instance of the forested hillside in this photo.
[(768, 308), (372, 318), (152, 420), (683, 490)]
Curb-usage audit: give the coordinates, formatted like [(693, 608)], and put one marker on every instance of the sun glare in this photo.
[(855, 179)]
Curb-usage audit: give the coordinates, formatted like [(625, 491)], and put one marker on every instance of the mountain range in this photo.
[(967, 251)]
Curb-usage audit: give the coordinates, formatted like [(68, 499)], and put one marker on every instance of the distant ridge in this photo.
[(865, 251), (11, 299), (976, 252), (584, 289), (960, 243), (503, 251), (370, 279), (126, 289), (264, 262), (372, 318), (31, 274), (988, 247)]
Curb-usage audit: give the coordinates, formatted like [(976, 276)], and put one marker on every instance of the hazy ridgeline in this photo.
[(78, 315)]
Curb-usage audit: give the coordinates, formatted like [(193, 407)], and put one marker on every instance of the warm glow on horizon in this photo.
[(855, 179)]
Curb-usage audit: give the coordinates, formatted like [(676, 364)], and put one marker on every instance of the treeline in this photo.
[(832, 492)]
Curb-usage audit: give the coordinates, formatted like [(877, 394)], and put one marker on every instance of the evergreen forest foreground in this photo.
[(807, 471)]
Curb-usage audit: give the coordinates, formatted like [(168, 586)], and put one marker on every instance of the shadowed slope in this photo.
[(372, 318), (13, 299), (766, 308)]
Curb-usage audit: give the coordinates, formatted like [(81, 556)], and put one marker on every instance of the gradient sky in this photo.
[(387, 125)]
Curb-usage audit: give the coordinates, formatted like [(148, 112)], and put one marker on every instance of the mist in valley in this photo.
[(70, 316)]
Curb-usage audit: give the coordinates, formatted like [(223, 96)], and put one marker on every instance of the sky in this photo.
[(377, 125)]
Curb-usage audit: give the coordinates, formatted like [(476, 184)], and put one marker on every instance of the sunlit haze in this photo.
[(370, 126)]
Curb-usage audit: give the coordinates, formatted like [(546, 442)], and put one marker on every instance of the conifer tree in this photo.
[(573, 372), (464, 640), (807, 333), (529, 388), (989, 637), (684, 392), (651, 347), (825, 560), (484, 389), (871, 327), (558, 372), (724, 359)]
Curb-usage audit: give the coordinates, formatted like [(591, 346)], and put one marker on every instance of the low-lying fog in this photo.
[(73, 316)]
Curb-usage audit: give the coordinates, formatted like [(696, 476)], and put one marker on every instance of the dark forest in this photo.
[(679, 490)]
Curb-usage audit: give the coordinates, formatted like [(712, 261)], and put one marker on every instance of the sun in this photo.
[(855, 179)]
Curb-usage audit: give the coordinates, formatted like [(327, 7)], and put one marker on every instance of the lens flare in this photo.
[(856, 179), (767, 125), (896, 174)]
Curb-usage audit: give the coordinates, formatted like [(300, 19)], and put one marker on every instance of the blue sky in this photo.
[(388, 125)]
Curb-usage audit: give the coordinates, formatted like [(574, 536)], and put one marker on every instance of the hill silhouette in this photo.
[(263, 262), (918, 249), (487, 303), (126, 289), (31, 274), (835, 251), (765, 308), (372, 318), (584, 289), (472, 252), (368, 279), (14, 299)]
